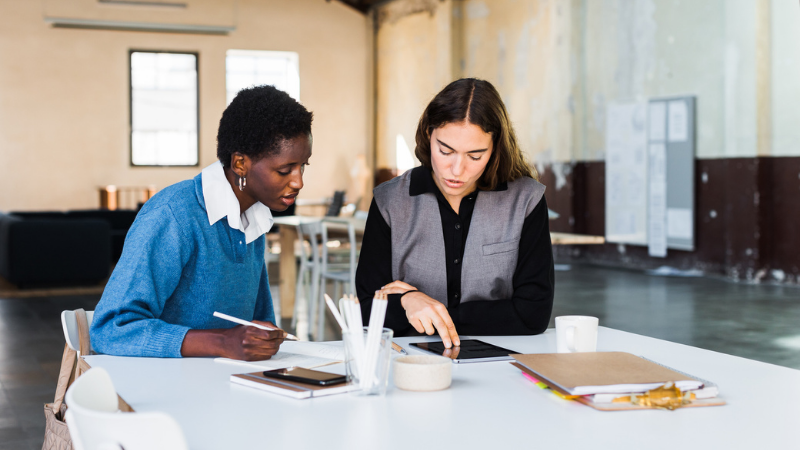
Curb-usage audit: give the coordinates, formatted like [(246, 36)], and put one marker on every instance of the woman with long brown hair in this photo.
[(461, 244)]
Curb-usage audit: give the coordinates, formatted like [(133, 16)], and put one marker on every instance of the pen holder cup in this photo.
[(367, 360)]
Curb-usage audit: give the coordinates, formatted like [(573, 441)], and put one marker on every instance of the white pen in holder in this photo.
[(371, 377), (367, 349)]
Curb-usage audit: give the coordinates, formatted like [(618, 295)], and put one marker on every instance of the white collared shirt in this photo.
[(221, 201)]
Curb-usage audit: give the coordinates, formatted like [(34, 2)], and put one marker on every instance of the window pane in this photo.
[(164, 109), (245, 68), (240, 64), (238, 81)]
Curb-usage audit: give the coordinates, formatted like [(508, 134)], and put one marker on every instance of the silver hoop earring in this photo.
[(242, 183)]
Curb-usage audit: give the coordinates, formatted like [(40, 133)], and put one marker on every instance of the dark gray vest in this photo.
[(490, 256)]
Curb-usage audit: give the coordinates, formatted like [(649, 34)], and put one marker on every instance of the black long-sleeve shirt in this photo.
[(526, 312)]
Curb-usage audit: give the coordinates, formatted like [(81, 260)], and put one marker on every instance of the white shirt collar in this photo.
[(221, 202)]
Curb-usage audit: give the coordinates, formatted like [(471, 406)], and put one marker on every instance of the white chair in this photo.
[(308, 274), (70, 326), (95, 423), (341, 272)]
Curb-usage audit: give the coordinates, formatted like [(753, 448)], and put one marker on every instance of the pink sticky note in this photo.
[(530, 377)]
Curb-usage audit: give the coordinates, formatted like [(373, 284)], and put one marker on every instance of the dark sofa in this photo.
[(119, 220), (61, 248), (45, 249)]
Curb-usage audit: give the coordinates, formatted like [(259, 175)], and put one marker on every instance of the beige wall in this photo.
[(560, 63), (785, 26), (414, 63), (523, 48), (526, 49), (64, 108)]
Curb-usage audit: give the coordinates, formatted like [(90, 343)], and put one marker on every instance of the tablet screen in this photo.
[(470, 350)]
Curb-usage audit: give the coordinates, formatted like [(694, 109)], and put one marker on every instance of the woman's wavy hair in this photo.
[(477, 102)]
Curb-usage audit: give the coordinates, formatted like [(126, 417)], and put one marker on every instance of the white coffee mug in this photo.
[(576, 334)]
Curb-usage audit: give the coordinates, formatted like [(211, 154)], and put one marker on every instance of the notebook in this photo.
[(289, 388), (602, 373), (304, 354)]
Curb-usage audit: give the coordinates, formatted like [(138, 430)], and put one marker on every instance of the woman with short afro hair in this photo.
[(197, 246)]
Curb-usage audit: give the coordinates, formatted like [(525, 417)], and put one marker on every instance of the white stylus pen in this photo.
[(289, 337)]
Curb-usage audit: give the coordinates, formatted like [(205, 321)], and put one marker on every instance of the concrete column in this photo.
[(764, 77)]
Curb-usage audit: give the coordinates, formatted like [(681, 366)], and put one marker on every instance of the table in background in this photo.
[(575, 239), (489, 405)]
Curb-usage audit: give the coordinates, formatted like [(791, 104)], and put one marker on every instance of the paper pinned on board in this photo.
[(657, 121), (626, 168), (680, 223), (678, 125), (657, 204), (625, 223)]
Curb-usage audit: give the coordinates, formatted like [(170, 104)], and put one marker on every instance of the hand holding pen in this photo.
[(253, 341), (268, 326)]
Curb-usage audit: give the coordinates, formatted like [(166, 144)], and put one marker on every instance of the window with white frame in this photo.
[(164, 114), (246, 68)]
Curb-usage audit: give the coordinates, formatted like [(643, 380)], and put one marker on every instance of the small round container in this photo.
[(422, 372)]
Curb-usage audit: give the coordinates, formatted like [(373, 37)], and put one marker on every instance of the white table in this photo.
[(488, 406)]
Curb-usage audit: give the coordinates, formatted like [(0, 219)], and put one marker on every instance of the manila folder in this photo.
[(595, 372)]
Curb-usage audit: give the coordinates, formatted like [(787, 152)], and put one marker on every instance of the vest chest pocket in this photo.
[(500, 247), (492, 277)]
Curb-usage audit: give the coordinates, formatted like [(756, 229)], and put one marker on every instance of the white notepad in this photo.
[(296, 354)]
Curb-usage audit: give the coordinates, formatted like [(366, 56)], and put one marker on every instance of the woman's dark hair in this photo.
[(257, 121), (477, 102)]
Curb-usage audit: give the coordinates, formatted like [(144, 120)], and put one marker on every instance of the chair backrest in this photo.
[(309, 231), (70, 325), (336, 204), (351, 236), (95, 423)]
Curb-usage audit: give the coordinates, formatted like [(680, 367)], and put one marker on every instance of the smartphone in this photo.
[(306, 376)]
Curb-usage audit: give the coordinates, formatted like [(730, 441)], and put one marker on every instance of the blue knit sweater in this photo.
[(175, 271)]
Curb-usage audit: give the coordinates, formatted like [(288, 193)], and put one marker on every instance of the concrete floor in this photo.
[(752, 321), (760, 322)]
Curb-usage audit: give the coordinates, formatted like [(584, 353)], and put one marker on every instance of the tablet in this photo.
[(470, 350)]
